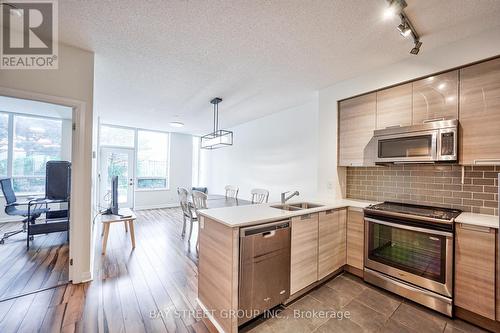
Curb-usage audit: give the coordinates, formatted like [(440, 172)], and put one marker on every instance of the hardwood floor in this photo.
[(150, 289), (44, 265)]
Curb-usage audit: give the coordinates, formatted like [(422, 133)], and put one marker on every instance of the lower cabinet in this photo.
[(355, 237), (304, 252), (475, 269), (331, 242)]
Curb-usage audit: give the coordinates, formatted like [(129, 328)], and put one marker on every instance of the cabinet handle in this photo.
[(477, 228), (487, 162), (305, 217), (330, 211)]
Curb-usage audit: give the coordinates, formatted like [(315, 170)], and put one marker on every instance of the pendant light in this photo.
[(219, 137)]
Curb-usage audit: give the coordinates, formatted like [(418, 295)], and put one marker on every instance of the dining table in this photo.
[(220, 201)]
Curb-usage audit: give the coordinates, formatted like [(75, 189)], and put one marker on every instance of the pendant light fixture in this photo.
[(219, 137)]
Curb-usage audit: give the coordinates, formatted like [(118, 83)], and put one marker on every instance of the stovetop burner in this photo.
[(445, 214)]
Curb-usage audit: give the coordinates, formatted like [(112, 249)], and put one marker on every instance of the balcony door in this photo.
[(117, 162)]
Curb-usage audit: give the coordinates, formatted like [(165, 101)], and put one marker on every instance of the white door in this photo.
[(117, 162)]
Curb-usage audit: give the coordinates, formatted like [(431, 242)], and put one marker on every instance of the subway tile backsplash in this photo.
[(436, 185)]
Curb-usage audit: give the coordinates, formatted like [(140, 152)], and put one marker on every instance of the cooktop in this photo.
[(439, 213)]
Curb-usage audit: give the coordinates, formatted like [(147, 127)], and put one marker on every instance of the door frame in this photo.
[(132, 153), (81, 245)]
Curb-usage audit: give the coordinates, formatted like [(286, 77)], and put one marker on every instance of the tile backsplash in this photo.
[(436, 185)]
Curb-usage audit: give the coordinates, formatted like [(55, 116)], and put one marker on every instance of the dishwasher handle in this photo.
[(266, 230)]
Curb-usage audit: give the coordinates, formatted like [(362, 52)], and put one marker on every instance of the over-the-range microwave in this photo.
[(430, 142)]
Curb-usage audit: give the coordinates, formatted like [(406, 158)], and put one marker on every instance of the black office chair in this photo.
[(11, 208)]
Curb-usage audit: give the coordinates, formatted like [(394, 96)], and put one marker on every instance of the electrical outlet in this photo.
[(329, 185)]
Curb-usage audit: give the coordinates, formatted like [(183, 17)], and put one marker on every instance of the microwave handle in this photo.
[(411, 228)]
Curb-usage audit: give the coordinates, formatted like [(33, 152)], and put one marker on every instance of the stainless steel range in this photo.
[(409, 251)]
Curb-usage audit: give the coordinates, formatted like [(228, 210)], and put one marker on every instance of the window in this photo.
[(117, 136), (152, 159), (35, 141), (195, 173)]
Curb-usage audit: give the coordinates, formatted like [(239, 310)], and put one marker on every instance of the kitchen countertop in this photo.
[(242, 216), (482, 220)]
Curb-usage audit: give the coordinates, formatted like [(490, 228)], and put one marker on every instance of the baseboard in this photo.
[(477, 320), (209, 320), (160, 206)]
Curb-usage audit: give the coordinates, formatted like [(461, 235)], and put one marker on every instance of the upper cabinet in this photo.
[(356, 125), (479, 118), (394, 106), (435, 98), (471, 95)]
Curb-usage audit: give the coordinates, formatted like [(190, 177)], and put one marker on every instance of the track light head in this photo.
[(404, 30)]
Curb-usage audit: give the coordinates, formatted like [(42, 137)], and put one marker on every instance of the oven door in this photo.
[(421, 256), (408, 147)]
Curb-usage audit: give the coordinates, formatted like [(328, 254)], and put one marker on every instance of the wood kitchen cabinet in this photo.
[(304, 252), (394, 106), (356, 126), (475, 269), (435, 98), (355, 238), (331, 242), (479, 117)]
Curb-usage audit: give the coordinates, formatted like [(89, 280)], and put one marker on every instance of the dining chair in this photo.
[(199, 202), (259, 195), (187, 211), (232, 191)]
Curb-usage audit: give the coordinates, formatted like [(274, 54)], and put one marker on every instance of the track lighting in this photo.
[(405, 28)]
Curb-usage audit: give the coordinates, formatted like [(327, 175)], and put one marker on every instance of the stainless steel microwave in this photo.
[(429, 142)]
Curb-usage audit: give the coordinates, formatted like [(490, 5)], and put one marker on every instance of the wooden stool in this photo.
[(127, 216)]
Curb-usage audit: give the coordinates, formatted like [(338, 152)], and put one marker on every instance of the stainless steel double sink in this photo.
[(296, 206)]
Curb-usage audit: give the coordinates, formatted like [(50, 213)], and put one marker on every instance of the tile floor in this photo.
[(371, 310)]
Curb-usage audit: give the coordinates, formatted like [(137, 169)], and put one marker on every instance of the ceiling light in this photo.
[(441, 86), (395, 7), (218, 138), (389, 12), (176, 124)]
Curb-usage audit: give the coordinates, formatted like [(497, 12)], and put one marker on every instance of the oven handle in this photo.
[(407, 227)]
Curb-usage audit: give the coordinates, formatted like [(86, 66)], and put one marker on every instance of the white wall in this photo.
[(278, 152), (181, 154), (73, 85), (331, 180)]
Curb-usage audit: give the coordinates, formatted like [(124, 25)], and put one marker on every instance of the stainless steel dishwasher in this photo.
[(264, 279)]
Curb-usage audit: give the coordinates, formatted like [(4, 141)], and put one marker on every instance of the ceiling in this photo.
[(158, 61)]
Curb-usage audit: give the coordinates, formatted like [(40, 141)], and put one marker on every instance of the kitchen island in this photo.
[(318, 251)]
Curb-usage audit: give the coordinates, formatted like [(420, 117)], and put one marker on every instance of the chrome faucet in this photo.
[(285, 198)]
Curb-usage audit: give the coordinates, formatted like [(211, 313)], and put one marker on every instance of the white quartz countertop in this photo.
[(482, 220), (240, 216)]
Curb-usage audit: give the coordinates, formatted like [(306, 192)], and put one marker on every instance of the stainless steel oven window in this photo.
[(415, 252), (399, 261)]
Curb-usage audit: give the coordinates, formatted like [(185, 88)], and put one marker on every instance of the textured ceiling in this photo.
[(160, 61)]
